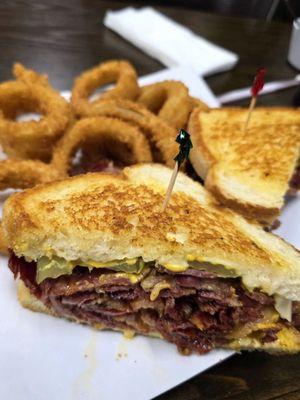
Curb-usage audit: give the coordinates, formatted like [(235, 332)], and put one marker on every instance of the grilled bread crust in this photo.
[(104, 217), (248, 171)]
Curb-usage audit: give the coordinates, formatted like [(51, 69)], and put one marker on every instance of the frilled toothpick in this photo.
[(257, 86), (185, 145)]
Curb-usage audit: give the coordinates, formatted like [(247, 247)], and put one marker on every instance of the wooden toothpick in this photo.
[(251, 107), (257, 86), (171, 185), (185, 145)]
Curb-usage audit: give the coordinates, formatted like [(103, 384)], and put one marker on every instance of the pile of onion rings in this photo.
[(31, 93), (153, 112)]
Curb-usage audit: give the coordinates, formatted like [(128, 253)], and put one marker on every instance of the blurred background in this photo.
[(65, 38), (259, 9)]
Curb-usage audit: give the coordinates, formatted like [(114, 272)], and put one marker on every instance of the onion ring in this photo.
[(170, 100), (31, 93), (120, 72), (160, 135), (23, 174), (108, 136), (29, 76)]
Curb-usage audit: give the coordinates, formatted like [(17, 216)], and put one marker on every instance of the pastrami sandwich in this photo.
[(97, 249)]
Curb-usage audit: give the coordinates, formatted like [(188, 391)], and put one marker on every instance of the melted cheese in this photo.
[(175, 267), (288, 339), (128, 334)]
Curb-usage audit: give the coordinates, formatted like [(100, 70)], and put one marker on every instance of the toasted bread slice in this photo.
[(103, 217), (250, 170)]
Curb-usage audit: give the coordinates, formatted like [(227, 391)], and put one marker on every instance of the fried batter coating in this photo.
[(170, 100), (121, 73), (21, 174), (31, 93), (29, 76), (160, 135), (109, 137)]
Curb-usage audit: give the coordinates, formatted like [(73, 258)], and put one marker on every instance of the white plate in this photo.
[(46, 358)]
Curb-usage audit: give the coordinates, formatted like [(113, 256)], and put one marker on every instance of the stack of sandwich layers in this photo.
[(97, 249)]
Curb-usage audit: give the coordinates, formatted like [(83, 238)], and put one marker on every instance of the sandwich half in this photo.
[(97, 249), (250, 171)]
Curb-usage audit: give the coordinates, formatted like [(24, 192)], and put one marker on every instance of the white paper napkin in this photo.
[(168, 41)]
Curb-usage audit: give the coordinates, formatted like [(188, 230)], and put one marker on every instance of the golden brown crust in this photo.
[(170, 100), (29, 76), (115, 71), (261, 159), (109, 136), (103, 217), (103, 190), (31, 93), (30, 301), (201, 152), (22, 174), (264, 215), (152, 97), (195, 129), (160, 135)]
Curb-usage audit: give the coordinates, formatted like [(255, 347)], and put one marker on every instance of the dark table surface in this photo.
[(64, 38)]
